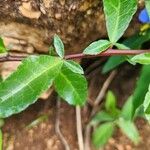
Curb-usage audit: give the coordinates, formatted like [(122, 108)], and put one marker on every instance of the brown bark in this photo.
[(29, 25)]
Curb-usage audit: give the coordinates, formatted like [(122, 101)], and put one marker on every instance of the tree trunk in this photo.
[(29, 25)]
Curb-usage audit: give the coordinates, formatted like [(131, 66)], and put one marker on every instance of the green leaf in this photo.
[(2, 46), (74, 67), (112, 63), (59, 46), (102, 116), (27, 83), (141, 87), (102, 134), (97, 47), (134, 42), (127, 109), (147, 4), (71, 86), (141, 59), (129, 129), (118, 14), (110, 103), (146, 103), (121, 46), (1, 140)]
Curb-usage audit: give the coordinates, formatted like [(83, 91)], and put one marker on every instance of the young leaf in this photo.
[(2, 46), (27, 83), (118, 15), (71, 86), (97, 47), (127, 109), (1, 140), (102, 116), (74, 67), (129, 130), (110, 103), (141, 88), (141, 59), (147, 3), (59, 46), (102, 134)]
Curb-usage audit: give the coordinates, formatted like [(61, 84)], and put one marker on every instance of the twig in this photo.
[(109, 52), (87, 137), (104, 88), (79, 128), (57, 126)]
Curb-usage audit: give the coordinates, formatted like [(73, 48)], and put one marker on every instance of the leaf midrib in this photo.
[(19, 88)]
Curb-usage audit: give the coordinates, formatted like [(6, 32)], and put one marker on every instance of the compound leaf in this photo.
[(118, 15), (24, 86), (71, 86)]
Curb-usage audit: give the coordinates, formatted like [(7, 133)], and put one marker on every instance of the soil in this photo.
[(43, 136)]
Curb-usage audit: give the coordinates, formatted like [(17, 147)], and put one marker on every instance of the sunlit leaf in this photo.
[(59, 46), (142, 59), (97, 47), (27, 83), (74, 67), (118, 14)]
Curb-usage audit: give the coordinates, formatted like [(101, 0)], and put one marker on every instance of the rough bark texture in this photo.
[(29, 25)]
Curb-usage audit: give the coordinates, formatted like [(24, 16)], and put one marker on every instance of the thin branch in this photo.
[(79, 128), (109, 52), (57, 126)]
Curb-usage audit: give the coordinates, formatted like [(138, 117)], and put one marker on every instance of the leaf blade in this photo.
[(74, 67), (59, 46), (23, 87), (97, 47), (102, 134), (71, 86), (129, 129), (118, 14)]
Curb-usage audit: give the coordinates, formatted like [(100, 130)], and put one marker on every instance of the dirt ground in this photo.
[(43, 135)]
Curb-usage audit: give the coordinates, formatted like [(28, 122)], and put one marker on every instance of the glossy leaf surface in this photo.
[(118, 14), (72, 87), (27, 83)]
